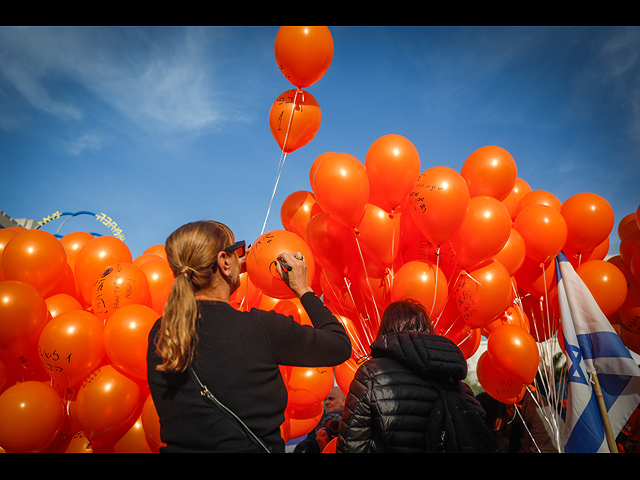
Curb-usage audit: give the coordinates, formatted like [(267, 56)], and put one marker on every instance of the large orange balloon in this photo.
[(630, 310), (589, 219), (60, 303), (6, 234), (309, 385), (300, 420), (519, 190), (483, 293), (543, 315), (262, 257), (23, 315), (303, 53), (94, 258), (393, 165), (513, 315), (483, 232), (543, 230), (294, 119), (31, 416), (160, 278), (126, 334), (513, 253), (536, 278), (423, 282), (71, 347), (538, 197), (151, 424), (35, 257), (491, 171), (333, 245), (119, 285), (497, 383), (344, 373), (74, 241), (379, 234), (627, 225), (514, 351), (629, 245), (107, 401), (341, 187), (134, 440), (296, 211), (606, 283), (438, 203)]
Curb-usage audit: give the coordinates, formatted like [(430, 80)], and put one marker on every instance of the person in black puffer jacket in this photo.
[(390, 398)]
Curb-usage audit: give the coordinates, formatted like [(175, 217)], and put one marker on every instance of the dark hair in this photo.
[(404, 315)]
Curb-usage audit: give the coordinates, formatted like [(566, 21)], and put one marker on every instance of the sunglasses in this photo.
[(238, 247)]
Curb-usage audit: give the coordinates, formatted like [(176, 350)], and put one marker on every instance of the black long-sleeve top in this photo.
[(237, 357)]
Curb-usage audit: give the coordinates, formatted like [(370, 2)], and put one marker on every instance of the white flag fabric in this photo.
[(592, 345)]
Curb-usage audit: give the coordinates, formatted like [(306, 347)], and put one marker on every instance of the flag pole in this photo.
[(613, 447)]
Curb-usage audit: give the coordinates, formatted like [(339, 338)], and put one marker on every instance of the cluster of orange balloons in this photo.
[(75, 314), (476, 247)]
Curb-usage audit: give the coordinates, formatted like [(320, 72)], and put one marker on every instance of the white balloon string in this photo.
[(282, 160), (435, 289), (366, 274)]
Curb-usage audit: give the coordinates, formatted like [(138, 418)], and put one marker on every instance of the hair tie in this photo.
[(187, 269)]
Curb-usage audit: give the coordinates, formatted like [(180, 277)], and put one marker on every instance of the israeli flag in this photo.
[(592, 345)]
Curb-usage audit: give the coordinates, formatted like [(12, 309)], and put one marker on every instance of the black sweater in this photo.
[(237, 357)]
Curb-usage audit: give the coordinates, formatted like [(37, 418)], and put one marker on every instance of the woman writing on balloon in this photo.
[(235, 354)]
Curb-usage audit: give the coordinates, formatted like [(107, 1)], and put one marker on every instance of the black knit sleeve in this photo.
[(324, 345)]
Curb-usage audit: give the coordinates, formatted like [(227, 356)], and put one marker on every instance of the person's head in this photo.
[(334, 401), (204, 258), (405, 315)]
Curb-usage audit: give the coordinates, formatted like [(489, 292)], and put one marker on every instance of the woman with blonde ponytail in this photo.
[(235, 354)]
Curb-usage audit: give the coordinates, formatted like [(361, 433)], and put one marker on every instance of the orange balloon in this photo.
[(490, 171), (309, 385), (333, 245), (344, 374), (303, 53), (160, 279), (538, 197), (23, 315), (393, 165), (513, 315), (71, 347), (514, 351), (422, 282), (543, 230), (379, 234), (67, 283), (331, 446), (631, 340), (262, 257), (93, 260), (629, 245), (536, 278), (438, 203), (6, 234), (151, 424), (630, 310), (247, 295), (542, 314), (627, 225), (133, 441), (294, 119), (519, 190), (35, 257), (60, 303), (31, 416), (589, 219), (297, 210), (606, 283), (158, 250), (513, 253), (483, 293), (300, 420), (576, 257), (74, 241), (341, 187), (316, 163), (145, 257), (106, 403), (484, 231), (497, 383), (119, 285), (634, 266), (126, 334)]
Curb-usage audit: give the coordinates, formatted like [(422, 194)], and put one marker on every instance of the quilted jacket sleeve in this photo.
[(357, 419)]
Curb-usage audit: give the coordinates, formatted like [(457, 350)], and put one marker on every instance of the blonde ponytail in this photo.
[(191, 250)]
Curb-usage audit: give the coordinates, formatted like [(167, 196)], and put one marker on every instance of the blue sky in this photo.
[(157, 127)]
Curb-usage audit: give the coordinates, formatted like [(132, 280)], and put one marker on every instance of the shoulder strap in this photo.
[(227, 413)]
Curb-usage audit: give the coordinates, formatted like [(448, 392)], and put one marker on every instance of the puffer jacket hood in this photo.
[(428, 356)]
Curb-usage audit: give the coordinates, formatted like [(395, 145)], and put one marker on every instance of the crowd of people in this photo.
[(213, 371)]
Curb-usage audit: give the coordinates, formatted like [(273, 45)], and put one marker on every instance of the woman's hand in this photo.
[(296, 276)]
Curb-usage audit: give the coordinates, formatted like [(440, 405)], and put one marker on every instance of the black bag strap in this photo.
[(227, 413)]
